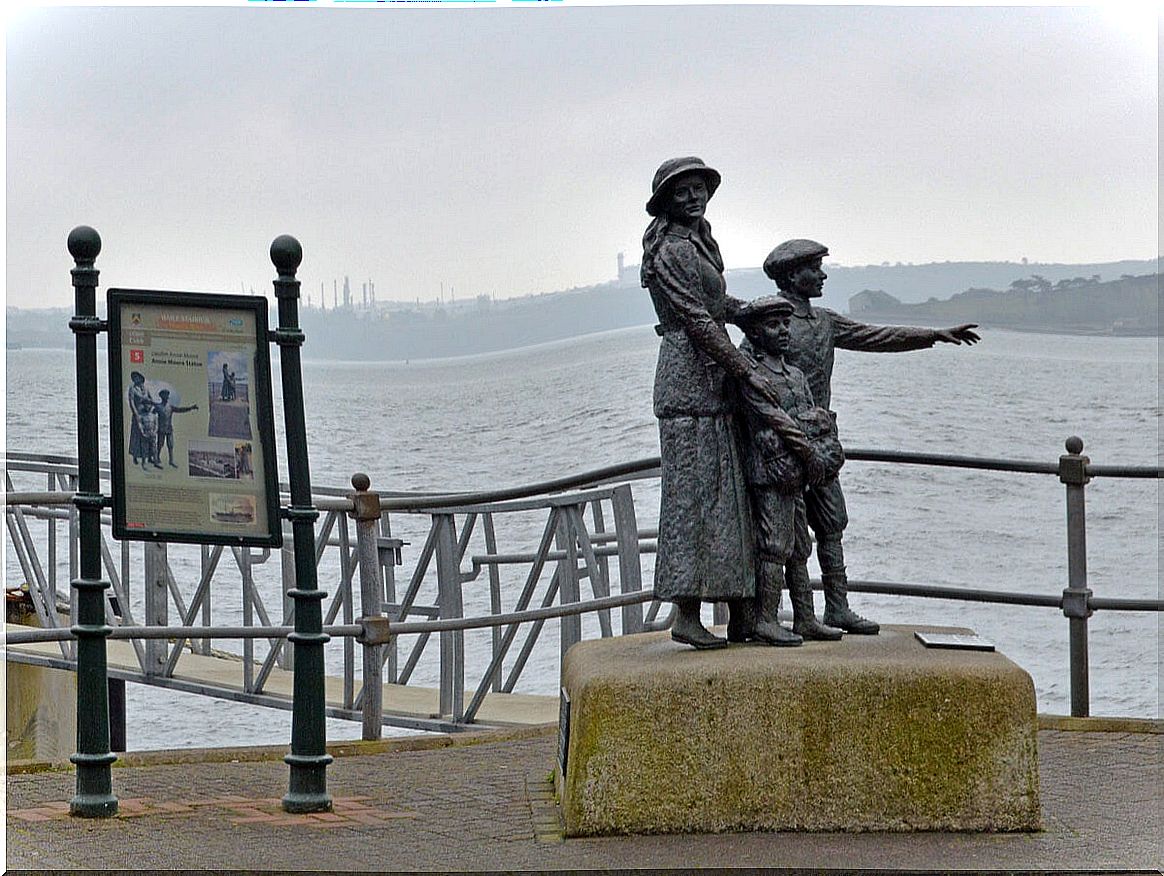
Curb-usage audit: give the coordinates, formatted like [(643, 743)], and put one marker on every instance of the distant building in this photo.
[(627, 275)]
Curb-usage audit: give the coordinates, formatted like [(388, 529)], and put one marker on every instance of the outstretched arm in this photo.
[(959, 334), (852, 335)]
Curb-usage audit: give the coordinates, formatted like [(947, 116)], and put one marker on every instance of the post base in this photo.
[(307, 789), (302, 803), (93, 806)]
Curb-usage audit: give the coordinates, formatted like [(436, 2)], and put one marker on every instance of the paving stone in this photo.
[(488, 806)]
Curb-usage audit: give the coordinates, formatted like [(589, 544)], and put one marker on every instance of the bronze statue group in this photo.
[(749, 450)]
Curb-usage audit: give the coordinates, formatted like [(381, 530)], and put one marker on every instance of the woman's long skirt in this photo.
[(136, 449), (705, 547)]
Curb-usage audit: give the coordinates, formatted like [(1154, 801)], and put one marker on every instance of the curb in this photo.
[(1101, 724), (252, 754)]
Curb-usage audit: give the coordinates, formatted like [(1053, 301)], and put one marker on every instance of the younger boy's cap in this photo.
[(792, 252), (760, 309)]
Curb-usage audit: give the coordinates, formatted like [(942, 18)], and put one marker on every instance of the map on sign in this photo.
[(192, 431)]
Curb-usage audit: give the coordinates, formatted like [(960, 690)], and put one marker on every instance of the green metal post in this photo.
[(308, 759), (94, 797)]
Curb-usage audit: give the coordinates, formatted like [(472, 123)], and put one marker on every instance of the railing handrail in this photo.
[(404, 628), (338, 500)]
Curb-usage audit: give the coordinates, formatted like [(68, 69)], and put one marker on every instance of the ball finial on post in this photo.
[(361, 481), (1074, 445), (84, 244), (286, 254)]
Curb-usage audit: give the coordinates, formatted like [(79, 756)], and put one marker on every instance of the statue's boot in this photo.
[(689, 629), (836, 589), (804, 622), (837, 612), (768, 629), (741, 625)]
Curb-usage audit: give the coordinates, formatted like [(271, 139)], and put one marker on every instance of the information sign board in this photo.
[(192, 429)]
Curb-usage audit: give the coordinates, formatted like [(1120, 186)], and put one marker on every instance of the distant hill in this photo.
[(398, 330), (914, 283), (42, 327), (1127, 306)]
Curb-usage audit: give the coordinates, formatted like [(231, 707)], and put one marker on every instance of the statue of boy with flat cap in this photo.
[(815, 332)]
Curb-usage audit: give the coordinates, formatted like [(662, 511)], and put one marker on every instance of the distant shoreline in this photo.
[(1077, 303), (1096, 332)]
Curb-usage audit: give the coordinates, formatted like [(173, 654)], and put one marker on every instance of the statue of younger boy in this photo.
[(776, 477)]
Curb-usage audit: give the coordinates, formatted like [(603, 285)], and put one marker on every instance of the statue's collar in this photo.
[(809, 313), (680, 231)]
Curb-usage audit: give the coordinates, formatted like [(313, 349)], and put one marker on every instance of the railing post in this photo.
[(1073, 473), (203, 564), (243, 558), (94, 797), (287, 573), (388, 550), (156, 605), (366, 511), (452, 694), (308, 759), (630, 570), (569, 626)]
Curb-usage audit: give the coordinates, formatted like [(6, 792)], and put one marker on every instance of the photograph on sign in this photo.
[(192, 430)]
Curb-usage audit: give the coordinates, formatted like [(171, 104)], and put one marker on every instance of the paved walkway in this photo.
[(484, 801)]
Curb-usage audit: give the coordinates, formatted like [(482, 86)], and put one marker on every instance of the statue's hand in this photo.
[(814, 468), (959, 334), (764, 385), (792, 435)]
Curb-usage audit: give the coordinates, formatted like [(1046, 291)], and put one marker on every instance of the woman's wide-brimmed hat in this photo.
[(136, 375), (670, 170)]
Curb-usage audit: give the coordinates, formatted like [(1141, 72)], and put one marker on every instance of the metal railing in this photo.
[(358, 564), (575, 547)]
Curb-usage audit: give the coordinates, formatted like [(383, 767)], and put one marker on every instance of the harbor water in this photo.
[(522, 416)]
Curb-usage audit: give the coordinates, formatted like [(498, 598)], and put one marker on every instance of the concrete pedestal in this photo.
[(869, 733)]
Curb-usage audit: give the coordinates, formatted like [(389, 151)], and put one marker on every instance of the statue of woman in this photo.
[(705, 544)]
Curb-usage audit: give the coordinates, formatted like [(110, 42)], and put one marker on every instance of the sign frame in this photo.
[(258, 393)]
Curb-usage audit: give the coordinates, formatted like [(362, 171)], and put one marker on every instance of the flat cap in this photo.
[(760, 309), (672, 169), (792, 252)]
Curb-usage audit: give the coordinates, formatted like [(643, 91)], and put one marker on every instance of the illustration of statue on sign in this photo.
[(143, 421), (229, 393), (165, 411)]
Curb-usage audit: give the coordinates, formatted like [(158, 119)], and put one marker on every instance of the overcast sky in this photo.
[(510, 150)]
